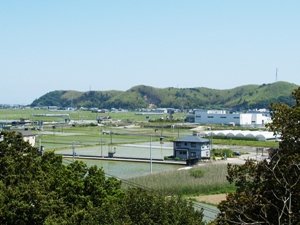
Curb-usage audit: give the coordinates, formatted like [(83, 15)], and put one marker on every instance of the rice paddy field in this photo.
[(128, 129), (58, 134), (39, 114)]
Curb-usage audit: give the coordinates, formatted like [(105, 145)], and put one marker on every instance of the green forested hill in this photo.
[(243, 97)]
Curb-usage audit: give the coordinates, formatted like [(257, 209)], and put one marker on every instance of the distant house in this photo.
[(191, 148), (28, 136)]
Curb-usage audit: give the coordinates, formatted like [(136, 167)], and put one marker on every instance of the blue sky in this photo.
[(115, 45)]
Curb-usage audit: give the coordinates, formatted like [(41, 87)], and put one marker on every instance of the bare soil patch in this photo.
[(211, 199)]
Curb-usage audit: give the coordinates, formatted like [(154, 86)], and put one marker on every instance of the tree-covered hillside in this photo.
[(239, 98)]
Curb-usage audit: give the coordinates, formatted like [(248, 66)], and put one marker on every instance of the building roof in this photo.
[(259, 135), (192, 138), (25, 133)]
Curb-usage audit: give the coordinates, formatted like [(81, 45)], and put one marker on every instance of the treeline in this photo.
[(39, 189), (268, 192), (239, 98)]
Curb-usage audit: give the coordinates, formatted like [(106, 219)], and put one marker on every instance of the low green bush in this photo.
[(197, 173), (222, 153)]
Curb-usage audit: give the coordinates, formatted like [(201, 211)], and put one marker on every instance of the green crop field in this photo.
[(36, 114), (245, 142), (63, 137)]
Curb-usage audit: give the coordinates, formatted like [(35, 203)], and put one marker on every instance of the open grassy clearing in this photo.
[(183, 182), (245, 142)]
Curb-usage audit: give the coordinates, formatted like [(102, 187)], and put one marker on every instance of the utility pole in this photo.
[(73, 150), (101, 142), (150, 154), (110, 140), (211, 144), (41, 148)]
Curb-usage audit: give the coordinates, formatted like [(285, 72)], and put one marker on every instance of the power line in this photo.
[(208, 213), (195, 204)]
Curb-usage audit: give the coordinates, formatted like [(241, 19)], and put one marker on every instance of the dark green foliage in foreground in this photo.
[(239, 98), (37, 189), (269, 192)]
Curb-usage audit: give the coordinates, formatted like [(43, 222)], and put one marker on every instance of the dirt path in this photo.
[(211, 199)]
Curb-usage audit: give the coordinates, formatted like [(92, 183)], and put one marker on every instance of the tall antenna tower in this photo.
[(276, 78)]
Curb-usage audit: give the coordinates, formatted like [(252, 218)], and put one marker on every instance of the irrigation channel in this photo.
[(138, 164)]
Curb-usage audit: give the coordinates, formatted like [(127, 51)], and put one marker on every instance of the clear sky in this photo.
[(83, 45)]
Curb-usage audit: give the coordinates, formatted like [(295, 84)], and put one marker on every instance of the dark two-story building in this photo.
[(191, 148)]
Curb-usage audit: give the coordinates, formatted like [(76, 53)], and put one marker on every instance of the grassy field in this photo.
[(35, 114), (184, 182), (63, 135), (245, 142)]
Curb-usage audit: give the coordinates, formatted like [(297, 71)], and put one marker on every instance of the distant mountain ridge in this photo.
[(141, 96)]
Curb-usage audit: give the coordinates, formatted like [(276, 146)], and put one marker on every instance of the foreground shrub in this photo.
[(40, 189)]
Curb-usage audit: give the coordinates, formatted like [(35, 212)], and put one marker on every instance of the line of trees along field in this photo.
[(239, 98)]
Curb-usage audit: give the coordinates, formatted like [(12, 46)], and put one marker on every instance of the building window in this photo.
[(182, 152), (223, 117), (236, 117), (178, 144), (204, 147), (210, 117), (185, 143), (193, 145)]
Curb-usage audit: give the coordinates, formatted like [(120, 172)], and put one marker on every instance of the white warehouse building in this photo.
[(223, 117)]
